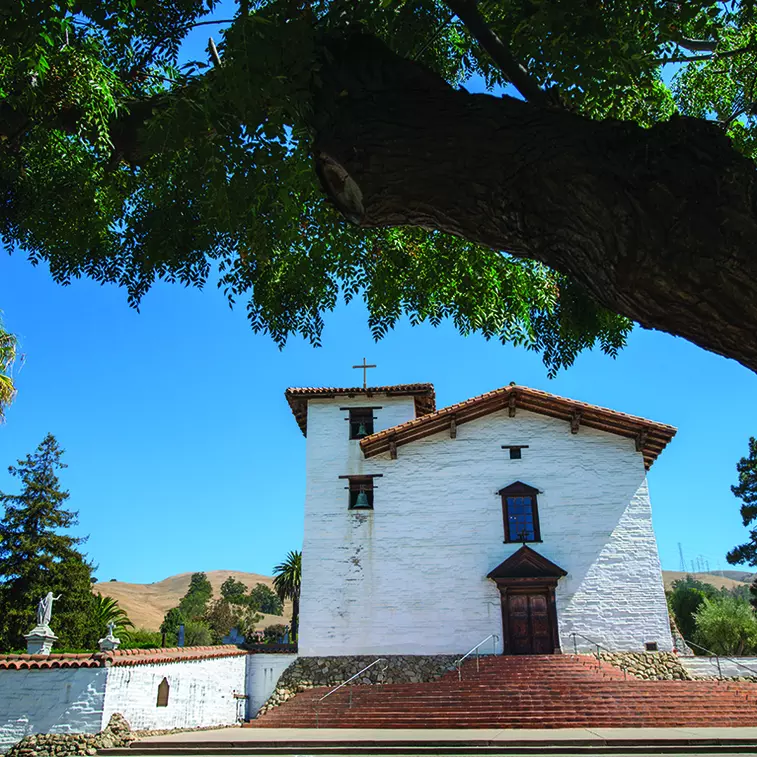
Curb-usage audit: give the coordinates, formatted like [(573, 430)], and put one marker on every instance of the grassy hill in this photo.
[(722, 579), (146, 604)]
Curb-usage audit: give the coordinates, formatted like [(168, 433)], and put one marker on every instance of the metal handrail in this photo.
[(344, 683), (458, 663), (717, 659), (598, 646)]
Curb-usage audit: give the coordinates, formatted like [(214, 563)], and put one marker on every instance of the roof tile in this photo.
[(652, 437), (118, 657), (297, 397)]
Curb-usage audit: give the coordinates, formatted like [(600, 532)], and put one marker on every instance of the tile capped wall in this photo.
[(201, 693)]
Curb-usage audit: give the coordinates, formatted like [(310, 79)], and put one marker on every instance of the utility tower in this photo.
[(683, 562)]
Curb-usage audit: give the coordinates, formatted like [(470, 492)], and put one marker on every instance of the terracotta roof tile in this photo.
[(297, 397), (172, 654), (118, 657), (651, 437)]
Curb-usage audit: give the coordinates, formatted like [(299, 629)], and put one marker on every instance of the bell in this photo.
[(361, 502), (361, 431)]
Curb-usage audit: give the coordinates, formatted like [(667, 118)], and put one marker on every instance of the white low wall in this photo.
[(215, 691), (68, 700), (707, 667), (263, 673), (201, 693)]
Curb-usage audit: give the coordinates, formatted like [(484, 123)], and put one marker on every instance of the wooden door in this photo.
[(528, 623)]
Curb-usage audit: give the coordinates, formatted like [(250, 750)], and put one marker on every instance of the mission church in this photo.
[(516, 515)]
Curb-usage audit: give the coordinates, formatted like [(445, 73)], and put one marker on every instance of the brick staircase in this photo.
[(559, 691)]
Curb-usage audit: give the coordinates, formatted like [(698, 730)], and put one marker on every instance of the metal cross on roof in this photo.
[(365, 368)]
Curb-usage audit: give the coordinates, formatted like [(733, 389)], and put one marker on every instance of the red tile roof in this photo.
[(172, 654), (651, 437), (39, 661), (118, 657), (297, 397)]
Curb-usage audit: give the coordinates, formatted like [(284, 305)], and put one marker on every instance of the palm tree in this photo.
[(8, 350), (286, 580), (107, 611)]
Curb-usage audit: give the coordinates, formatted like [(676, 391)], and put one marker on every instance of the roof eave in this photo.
[(651, 437)]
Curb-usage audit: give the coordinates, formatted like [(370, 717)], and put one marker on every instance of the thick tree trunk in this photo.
[(658, 224)]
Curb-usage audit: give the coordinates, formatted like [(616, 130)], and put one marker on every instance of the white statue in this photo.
[(45, 609), (109, 642)]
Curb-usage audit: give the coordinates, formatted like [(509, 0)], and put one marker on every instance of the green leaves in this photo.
[(746, 491), (119, 163)]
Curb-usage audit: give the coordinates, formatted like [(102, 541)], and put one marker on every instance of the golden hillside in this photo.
[(146, 604), (719, 582)]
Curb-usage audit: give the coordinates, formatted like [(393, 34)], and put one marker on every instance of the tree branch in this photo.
[(712, 56), (467, 11), (657, 224), (696, 45)]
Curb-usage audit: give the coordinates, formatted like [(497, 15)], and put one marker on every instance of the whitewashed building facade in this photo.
[(517, 514)]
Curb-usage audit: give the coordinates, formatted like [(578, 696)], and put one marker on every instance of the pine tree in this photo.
[(746, 491), (37, 556), (194, 603)]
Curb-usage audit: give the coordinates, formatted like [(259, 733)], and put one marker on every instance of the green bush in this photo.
[(197, 634), (141, 638), (684, 599), (726, 625)]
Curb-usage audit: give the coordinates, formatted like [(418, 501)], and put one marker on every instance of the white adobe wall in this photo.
[(58, 700), (263, 673), (201, 693), (410, 576)]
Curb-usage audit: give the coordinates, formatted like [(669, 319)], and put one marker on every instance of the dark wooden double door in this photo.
[(528, 622)]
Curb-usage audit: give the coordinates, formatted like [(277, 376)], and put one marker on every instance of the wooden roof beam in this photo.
[(641, 440), (575, 421), (512, 402)]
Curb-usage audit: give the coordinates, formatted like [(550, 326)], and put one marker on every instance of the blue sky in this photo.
[(183, 454)]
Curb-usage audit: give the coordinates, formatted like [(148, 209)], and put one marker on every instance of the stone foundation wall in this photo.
[(308, 672), (116, 734), (649, 666)]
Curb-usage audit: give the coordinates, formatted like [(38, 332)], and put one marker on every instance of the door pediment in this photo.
[(527, 565)]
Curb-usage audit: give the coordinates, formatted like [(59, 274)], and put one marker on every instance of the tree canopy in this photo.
[(8, 354), (287, 580), (330, 149), (746, 491), (38, 554)]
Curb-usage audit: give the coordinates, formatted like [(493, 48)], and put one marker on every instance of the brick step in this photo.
[(533, 692), (567, 720), (589, 708), (709, 705), (593, 682), (429, 700), (508, 704), (545, 711), (594, 689), (452, 723)]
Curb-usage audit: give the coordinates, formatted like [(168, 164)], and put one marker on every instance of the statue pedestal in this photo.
[(40, 640), (109, 643)]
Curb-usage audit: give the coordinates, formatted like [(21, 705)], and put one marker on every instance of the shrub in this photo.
[(726, 625)]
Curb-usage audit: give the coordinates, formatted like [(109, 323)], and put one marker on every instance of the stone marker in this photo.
[(109, 642)]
